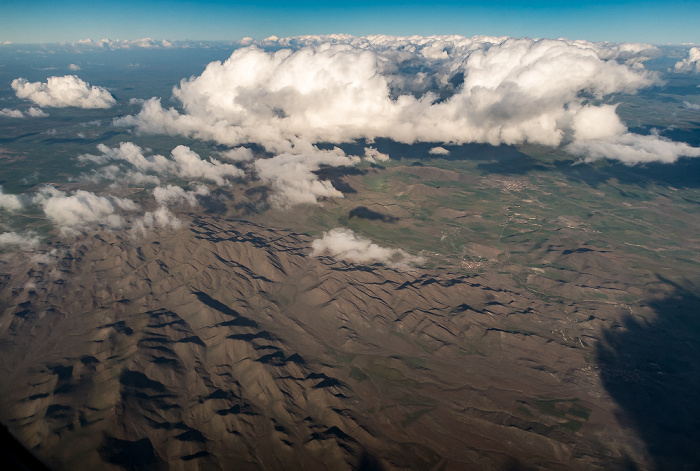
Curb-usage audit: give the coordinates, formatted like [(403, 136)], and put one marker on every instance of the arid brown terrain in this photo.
[(225, 346)]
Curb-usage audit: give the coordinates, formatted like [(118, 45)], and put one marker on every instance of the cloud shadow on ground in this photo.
[(651, 369)]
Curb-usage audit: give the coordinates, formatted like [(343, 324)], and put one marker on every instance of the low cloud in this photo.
[(292, 177), (238, 154), (116, 44), (184, 163), (61, 92), (30, 113), (632, 149), (8, 113), (373, 155), (690, 63), (10, 202), (161, 218), (171, 194), (438, 151), (190, 165), (74, 67), (82, 209), (344, 244), (16, 240), (36, 113)]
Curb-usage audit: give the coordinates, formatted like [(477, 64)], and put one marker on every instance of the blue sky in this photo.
[(32, 21)]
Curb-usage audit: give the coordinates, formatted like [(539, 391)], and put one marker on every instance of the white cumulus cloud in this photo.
[(161, 218), (32, 112), (82, 208), (632, 148), (9, 202), (438, 151), (190, 165), (373, 155), (292, 177), (172, 194), (340, 88), (60, 92), (9, 113), (344, 244), (690, 63), (184, 163)]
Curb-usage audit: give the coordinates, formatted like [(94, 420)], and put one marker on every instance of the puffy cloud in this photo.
[(16, 240), (161, 218), (132, 154), (31, 113), (82, 208), (691, 106), (598, 133), (340, 88), (74, 67), (185, 163), (172, 194), (373, 155), (632, 54), (60, 92), (9, 202), (438, 151), (344, 244), (690, 63), (8, 113), (34, 112), (292, 177), (189, 165), (238, 154), (597, 122)]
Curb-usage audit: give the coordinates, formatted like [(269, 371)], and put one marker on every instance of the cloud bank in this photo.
[(116, 44), (340, 88), (61, 92), (344, 244)]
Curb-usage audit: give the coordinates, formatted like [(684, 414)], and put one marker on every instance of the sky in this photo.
[(656, 22)]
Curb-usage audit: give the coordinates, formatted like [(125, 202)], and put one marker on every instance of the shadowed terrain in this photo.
[(650, 368)]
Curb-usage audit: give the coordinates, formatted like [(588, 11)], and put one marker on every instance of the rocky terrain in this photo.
[(225, 346)]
